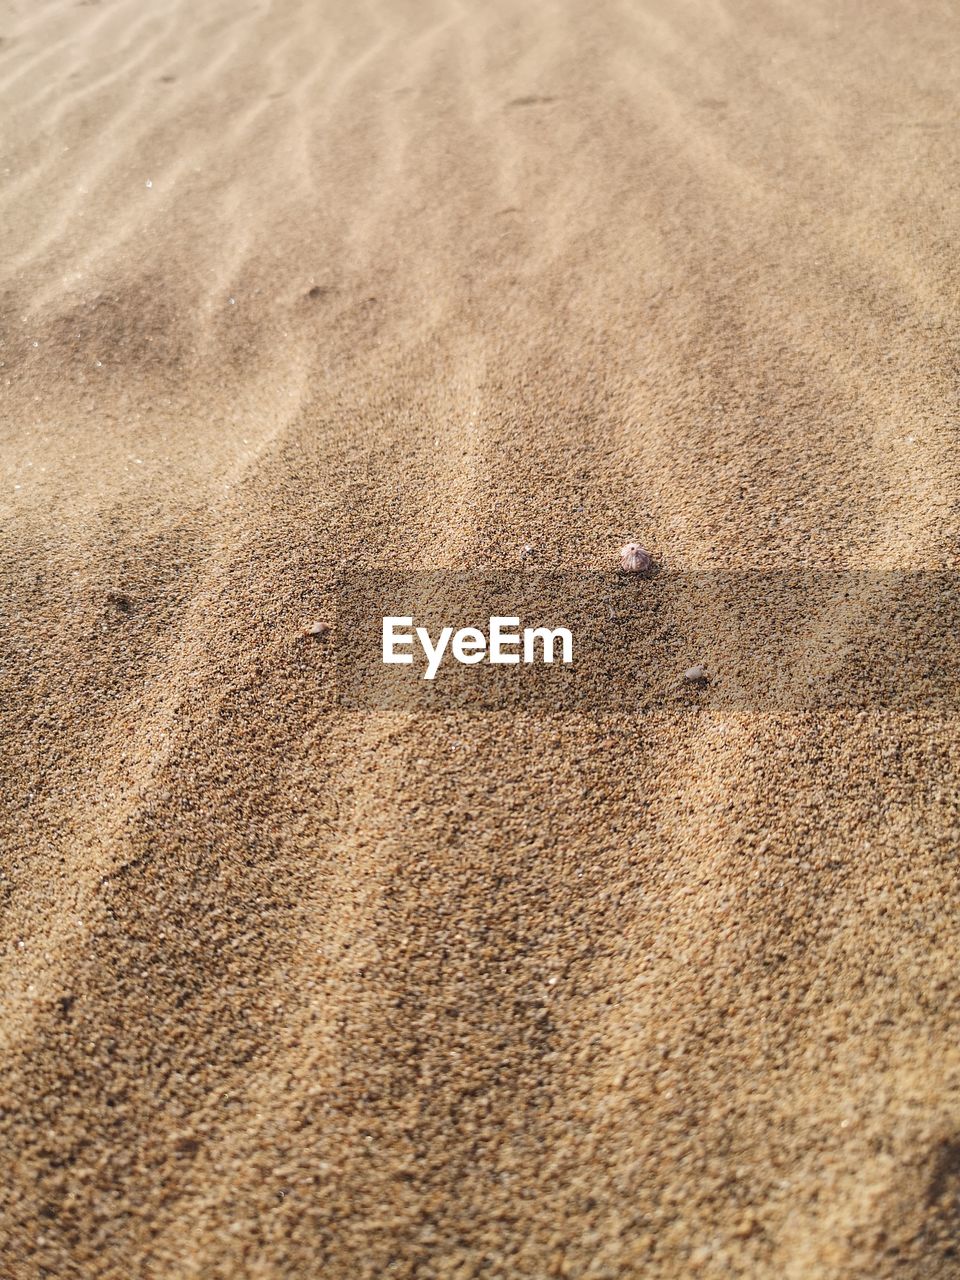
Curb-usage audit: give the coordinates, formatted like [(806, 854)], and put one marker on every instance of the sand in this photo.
[(295, 990)]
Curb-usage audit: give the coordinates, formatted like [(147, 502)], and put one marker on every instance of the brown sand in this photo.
[(290, 991)]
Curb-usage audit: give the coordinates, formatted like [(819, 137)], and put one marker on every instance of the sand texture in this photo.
[(291, 990)]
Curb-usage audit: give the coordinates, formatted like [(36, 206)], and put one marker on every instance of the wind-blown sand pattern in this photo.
[(293, 991)]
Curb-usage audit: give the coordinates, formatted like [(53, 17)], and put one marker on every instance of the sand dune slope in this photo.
[(295, 990)]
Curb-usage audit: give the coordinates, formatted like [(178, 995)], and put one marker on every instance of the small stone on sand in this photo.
[(635, 559), (696, 675), (319, 629)]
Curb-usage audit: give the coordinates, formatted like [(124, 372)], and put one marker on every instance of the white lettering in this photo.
[(547, 639), (433, 654), (499, 637), (391, 640), (470, 645)]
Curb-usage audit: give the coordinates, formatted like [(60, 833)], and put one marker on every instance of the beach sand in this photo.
[(296, 990)]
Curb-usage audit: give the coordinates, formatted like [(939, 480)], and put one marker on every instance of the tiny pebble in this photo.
[(526, 552), (317, 629), (635, 559), (696, 674)]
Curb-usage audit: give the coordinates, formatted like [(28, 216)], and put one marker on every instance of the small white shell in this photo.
[(635, 559), (317, 629), (696, 675)]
